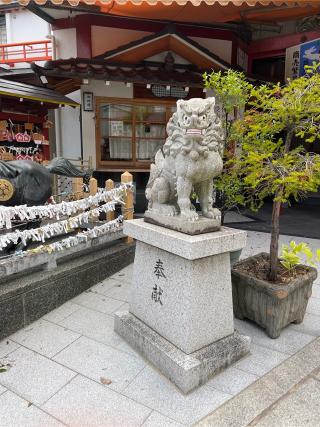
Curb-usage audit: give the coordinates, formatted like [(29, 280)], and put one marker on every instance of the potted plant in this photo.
[(271, 167), (274, 305)]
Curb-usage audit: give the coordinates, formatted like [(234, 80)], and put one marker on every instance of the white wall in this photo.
[(70, 129), (99, 88), (105, 38), (23, 26), (65, 43), (222, 48)]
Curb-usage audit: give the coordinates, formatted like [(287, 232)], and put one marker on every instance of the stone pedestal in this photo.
[(181, 315), (177, 223)]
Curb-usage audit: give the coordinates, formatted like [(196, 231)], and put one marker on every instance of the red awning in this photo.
[(169, 2), (190, 11)]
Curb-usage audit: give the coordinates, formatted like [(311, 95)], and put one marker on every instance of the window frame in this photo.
[(134, 164), (4, 32)]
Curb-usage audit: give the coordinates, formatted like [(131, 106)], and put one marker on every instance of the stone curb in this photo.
[(242, 409), (48, 261), (27, 298)]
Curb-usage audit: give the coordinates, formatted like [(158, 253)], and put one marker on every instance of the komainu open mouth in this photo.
[(194, 131)]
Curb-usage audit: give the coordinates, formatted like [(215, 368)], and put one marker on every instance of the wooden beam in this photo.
[(278, 43), (67, 86), (83, 34), (40, 12), (216, 30), (22, 117)]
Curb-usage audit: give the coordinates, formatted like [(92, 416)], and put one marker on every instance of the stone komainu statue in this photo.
[(189, 160)]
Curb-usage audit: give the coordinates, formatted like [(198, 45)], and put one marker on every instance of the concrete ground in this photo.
[(70, 368), (300, 219)]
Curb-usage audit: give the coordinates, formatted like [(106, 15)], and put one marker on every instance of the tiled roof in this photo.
[(15, 89), (103, 70)]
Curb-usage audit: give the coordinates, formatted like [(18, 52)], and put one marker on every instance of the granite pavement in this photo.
[(70, 368)]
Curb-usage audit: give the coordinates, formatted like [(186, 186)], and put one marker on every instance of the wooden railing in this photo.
[(126, 177), (12, 53), (128, 207)]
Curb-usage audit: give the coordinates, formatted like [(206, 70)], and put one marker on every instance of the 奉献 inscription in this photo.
[(156, 294), (159, 270), (157, 291)]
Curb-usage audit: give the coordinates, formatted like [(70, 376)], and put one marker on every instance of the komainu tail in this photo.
[(155, 171), (61, 166)]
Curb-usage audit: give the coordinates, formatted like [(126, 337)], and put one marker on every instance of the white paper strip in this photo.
[(41, 234), (71, 241), (27, 213)]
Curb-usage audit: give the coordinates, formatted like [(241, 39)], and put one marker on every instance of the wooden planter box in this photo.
[(270, 305)]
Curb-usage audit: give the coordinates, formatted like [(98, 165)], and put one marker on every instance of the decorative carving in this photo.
[(189, 160), (309, 23), (6, 190), (169, 62)]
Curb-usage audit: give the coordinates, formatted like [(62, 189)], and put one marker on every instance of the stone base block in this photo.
[(177, 223), (186, 371)]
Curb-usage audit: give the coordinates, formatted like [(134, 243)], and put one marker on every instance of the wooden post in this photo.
[(109, 184), (93, 186), (127, 209), (77, 187), (55, 186)]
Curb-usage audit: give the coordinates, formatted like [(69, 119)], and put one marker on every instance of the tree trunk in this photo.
[(275, 228), (274, 241)]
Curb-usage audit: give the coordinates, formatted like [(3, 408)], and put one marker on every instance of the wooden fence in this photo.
[(128, 206)]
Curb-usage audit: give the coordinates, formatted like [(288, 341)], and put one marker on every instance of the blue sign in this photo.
[(309, 53)]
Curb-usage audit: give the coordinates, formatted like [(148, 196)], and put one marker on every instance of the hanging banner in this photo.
[(22, 137)]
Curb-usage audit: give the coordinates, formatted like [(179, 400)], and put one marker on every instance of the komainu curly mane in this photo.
[(189, 160), (176, 142)]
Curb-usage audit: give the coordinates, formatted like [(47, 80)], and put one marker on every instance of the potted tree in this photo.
[(263, 289)]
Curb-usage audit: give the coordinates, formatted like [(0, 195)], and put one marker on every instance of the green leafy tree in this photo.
[(232, 92), (269, 164), (230, 190)]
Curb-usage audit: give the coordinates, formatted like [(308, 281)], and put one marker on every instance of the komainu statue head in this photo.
[(194, 116), (194, 120)]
